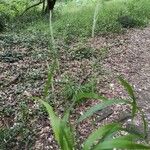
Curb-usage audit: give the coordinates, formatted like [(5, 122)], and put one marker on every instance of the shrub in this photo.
[(127, 21)]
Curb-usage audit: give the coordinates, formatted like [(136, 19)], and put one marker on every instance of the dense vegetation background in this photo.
[(56, 51), (112, 16)]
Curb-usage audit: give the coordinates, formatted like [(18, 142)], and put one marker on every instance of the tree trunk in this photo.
[(43, 8), (50, 5)]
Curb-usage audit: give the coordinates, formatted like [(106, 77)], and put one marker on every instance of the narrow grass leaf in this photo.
[(49, 79), (127, 87), (67, 131), (69, 137), (145, 123), (129, 137), (95, 17), (130, 91), (100, 106), (120, 144), (63, 141), (54, 120), (100, 133), (131, 132)]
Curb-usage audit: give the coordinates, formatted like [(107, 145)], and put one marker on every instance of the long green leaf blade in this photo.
[(130, 91), (129, 137), (100, 106), (100, 133), (63, 141), (54, 120), (69, 138), (49, 79), (145, 123), (127, 87), (67, 132), (120, 144)]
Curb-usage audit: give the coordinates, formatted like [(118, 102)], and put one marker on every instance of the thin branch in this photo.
[(31, 7)]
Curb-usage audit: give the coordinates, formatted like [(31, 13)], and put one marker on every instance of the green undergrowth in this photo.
[(73, 20), (79, 19)]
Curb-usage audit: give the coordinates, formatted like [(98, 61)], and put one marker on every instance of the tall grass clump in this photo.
[(103, 137)]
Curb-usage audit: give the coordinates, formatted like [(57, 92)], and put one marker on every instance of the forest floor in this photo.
[(23, 73)]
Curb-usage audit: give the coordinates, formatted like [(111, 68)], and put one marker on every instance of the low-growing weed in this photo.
[(71, 89)]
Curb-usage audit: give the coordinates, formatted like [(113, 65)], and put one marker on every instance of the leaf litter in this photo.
[(127, 54)]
